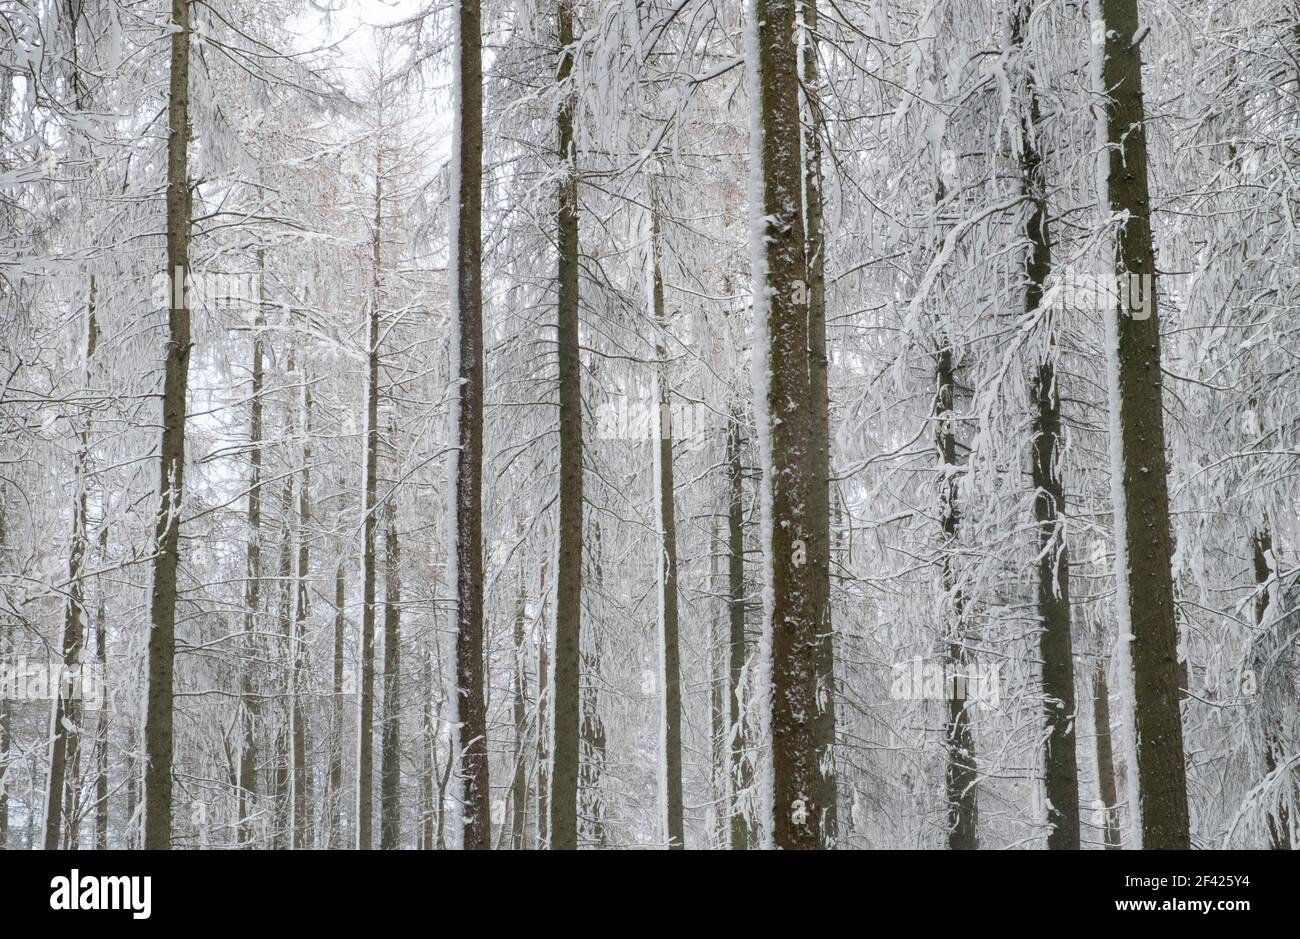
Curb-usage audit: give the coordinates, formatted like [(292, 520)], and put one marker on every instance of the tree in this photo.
[(1148, 632), (781, 310), (564, 701), (159, 739), (468, 292)]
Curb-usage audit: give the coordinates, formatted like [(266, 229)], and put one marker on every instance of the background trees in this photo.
[(705, 424)]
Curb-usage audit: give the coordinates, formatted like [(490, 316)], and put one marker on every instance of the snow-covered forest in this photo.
[(614, 424)]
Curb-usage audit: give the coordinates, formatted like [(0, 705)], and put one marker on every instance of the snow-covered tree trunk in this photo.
[(468, 296), (819, 453), (565, 702), (1148, 628), (1060, 758), (159, 740), (670, 739), (782, 404)]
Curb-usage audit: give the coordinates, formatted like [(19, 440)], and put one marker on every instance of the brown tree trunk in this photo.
[(302, 775), (1105, 757), (794, 627), (519, 784), (819, 450), (1060, 758), (563, 829), (471, 705), (1145, 579), (670, 660), (335, 800), (66, 717), (390, 770), (253, 591), (959, 737), (738, 770), (159, 742), (365, 724)]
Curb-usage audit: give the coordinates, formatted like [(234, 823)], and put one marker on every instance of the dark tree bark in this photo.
[(469, 461), (519, 783), (1060, 757), (66, 719), (1146, 587), (795, 642), (365, 726), (390, 769), (253, 591), (159, 741), (568, 593), (819, 446), (959, 736), (670, 662), (1105, 757), (302, 776), (739, 776)]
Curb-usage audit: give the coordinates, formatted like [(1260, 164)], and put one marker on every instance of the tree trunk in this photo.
[(568, 592), (1143, 533), (819, 456), (670, 661), (6, 643), (390, 771), (1060, 757), (101, 724), (158, 727), (365, 724), (469, 461), (519, 784), (543, 727), (335, 800), (959, 738), (1273, 729), (247, 797), (1105, 757), (66, 712), (302, 776), (795, 643), (738, 771)]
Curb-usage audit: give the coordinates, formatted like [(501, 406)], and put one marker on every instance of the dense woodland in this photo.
[(649, 424)]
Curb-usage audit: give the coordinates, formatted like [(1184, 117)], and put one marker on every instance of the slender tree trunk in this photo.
[(158, 728), (1060, 757), (281, 776), (1105, 757), (543, 728), (427, 757), (819, 465), (1273, 728), (670, 657), (101, 723), (472, 709), (365, 724), (335, 800), (738, 772), (519, 784), (66, 712), (253, 591), (303, 825), (6, 648), (390, 772), (795, 642), (1143, 530), (718, 759), (568, 593), (959, 738)]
